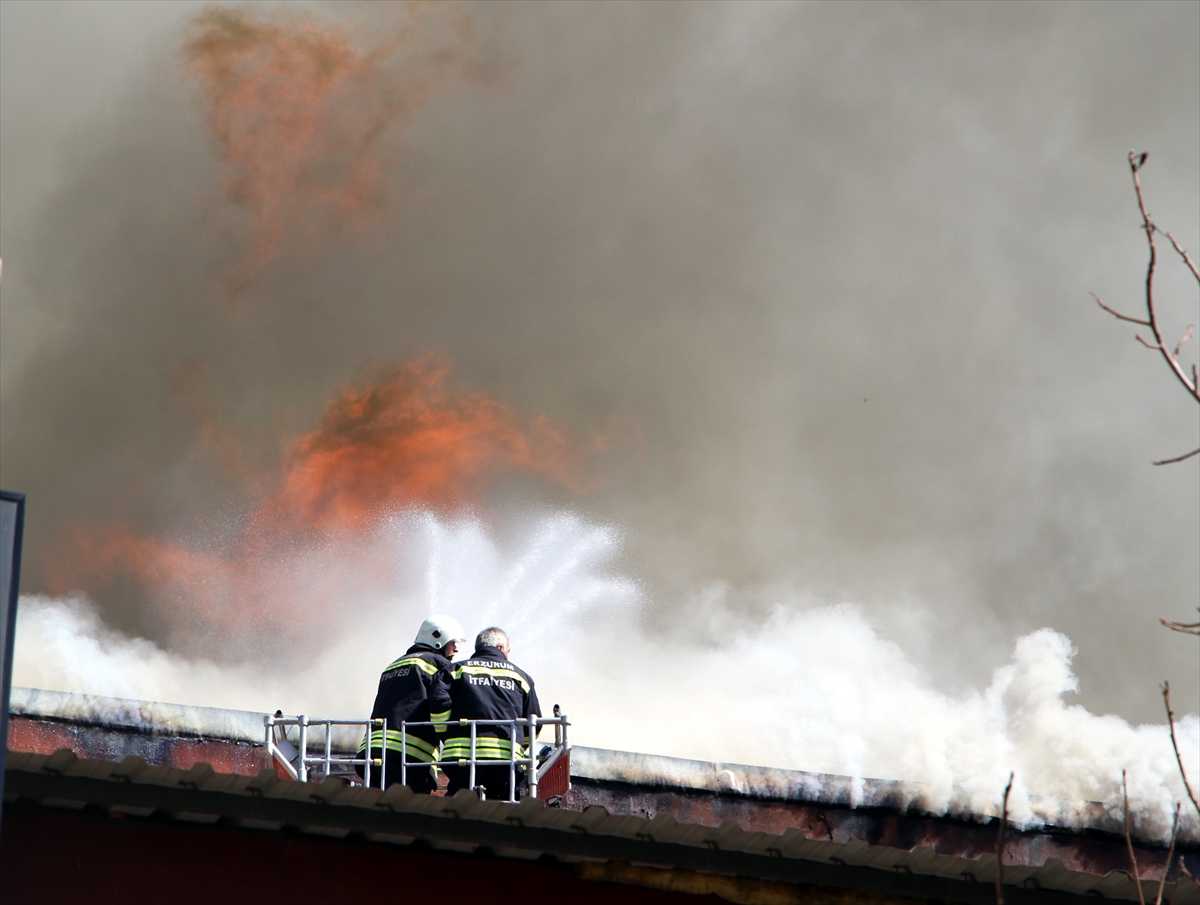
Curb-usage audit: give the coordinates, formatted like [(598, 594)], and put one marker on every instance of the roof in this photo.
[(530, 830), (624, 807), (799, 785), (153, 717)]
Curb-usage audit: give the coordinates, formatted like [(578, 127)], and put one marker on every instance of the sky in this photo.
[(793, 298)]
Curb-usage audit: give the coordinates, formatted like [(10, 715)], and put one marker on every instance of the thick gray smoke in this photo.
[(830, 262)]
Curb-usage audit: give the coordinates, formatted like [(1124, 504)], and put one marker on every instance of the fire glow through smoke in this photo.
[(405, 440), (299, 112)]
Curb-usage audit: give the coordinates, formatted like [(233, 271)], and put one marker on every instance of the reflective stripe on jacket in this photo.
[(403, 696), (485, 687)]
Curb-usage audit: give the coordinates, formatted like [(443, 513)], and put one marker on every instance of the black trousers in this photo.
[(420, 776), (493, 779)]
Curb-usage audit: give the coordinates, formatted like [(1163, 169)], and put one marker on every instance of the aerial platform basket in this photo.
[(308, 749)]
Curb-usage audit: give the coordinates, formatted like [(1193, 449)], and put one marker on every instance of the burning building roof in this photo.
[(652, 822)]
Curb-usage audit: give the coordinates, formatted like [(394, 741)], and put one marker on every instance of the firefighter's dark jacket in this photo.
[(404, 695), (486, 687)]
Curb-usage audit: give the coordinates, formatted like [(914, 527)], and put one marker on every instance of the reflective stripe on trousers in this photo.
[(416, 748)]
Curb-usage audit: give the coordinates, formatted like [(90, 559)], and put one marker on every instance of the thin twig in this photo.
[(1118, 314), (1000, 844), (1151, 315), (1137, 878), (1136, 162), (1187, 873), (1174, 744), (1185, 338), (1170, 462), (1162, 881), (1188, 628), (1183, 254)]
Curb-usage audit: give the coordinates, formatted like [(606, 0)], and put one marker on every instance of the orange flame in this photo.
[(407, 440), (404, 440), (299, 114)]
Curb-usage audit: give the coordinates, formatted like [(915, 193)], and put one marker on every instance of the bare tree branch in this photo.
[(1192, 385), (1118, 314), (1162, 881), (1166, 690), (1137, 878), (1000, 844), (1149, 226), (1170, 462)]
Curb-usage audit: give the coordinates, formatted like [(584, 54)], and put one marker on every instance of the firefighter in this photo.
[(403, 695), (485, 687)]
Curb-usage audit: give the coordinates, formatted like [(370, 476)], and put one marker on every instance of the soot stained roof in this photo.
[(531, 829)]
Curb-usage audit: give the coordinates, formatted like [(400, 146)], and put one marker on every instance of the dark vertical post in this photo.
[(12, 526)]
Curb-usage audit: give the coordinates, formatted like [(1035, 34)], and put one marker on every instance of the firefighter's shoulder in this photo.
[(436, 659), (409, 662)]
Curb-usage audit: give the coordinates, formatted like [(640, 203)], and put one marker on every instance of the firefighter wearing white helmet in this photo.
[(438, 631), (403, 696)]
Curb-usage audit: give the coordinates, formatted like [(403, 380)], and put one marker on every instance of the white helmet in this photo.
[(438, 631)]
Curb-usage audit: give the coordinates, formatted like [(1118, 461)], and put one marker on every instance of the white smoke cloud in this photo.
[(811, 686)]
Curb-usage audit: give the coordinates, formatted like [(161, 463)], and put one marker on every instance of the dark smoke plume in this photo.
[(831, 260)]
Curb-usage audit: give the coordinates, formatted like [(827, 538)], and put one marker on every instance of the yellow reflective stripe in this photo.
[(498, 671), (452, 753), (418, 662), (393, 737), (416, 747), (489, 748), (481, 755), (440, 719)]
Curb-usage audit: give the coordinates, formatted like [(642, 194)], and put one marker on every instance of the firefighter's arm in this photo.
[(532, 708), (439, 700)]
